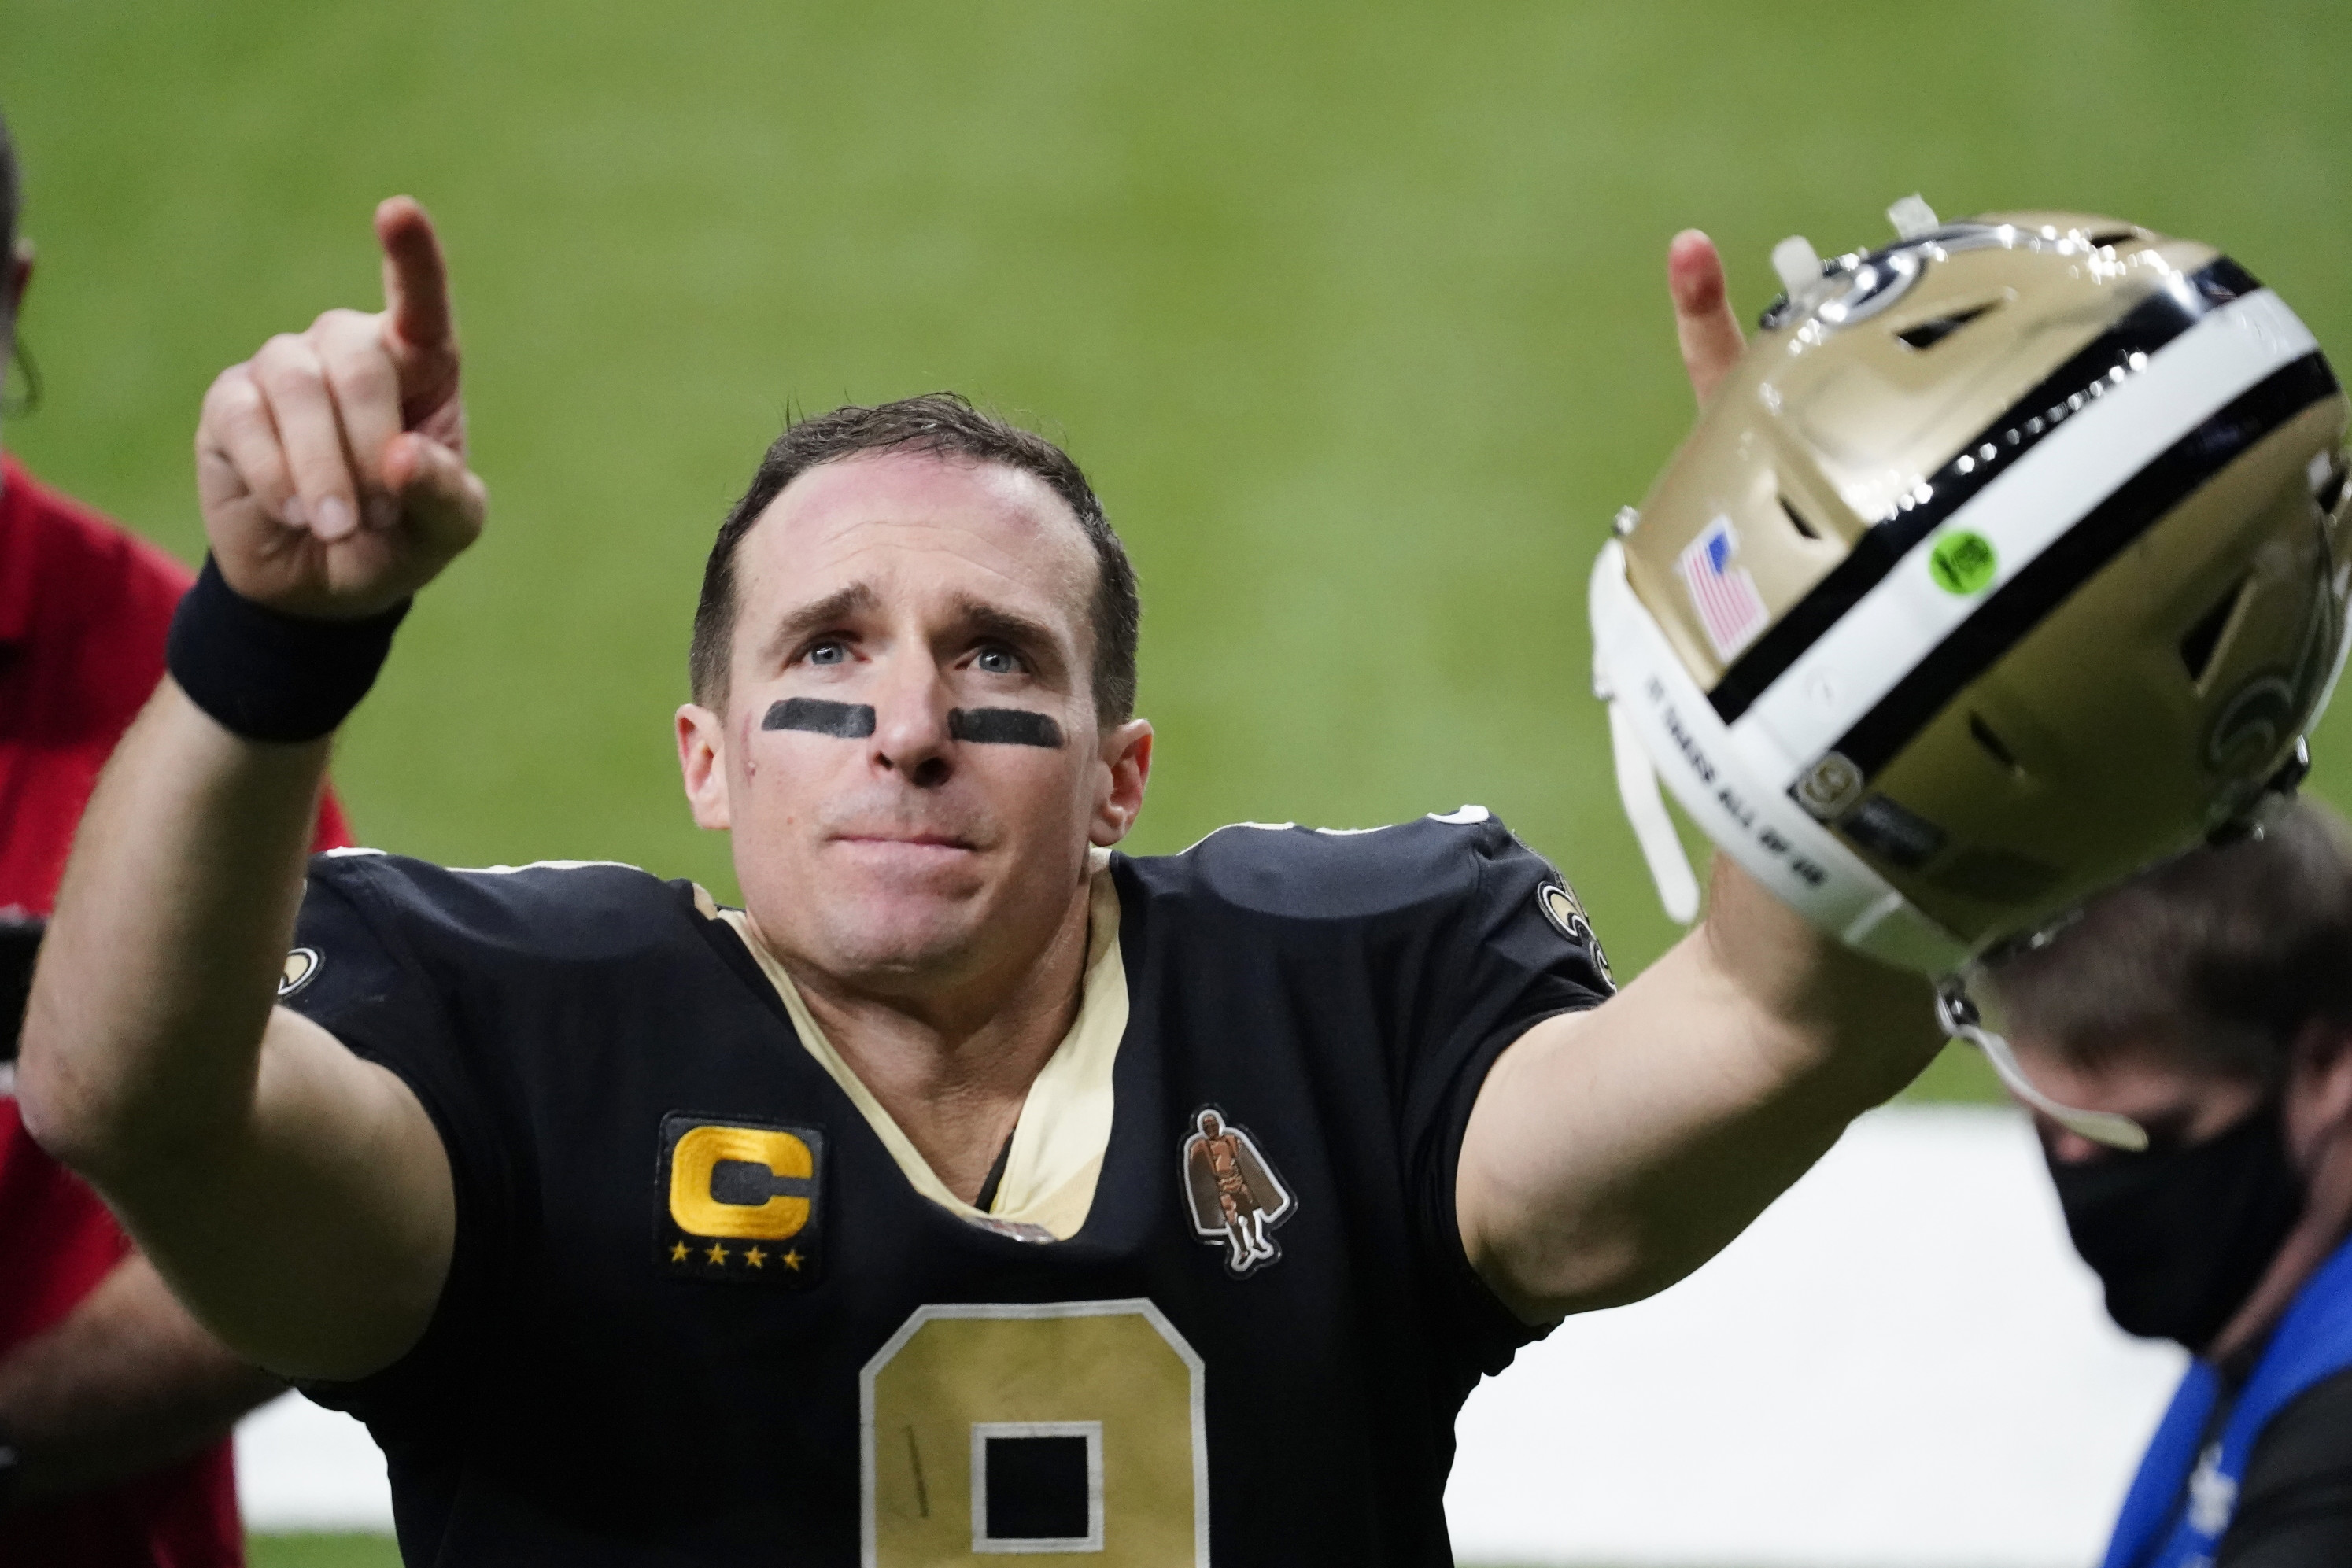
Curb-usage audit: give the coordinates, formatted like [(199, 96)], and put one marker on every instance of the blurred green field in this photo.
[(321, 1552), (1354, 313)]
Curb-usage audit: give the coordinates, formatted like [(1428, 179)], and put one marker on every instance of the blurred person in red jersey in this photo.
[(115, 1407)]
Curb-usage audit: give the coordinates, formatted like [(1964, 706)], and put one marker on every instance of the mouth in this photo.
[(894, 840)]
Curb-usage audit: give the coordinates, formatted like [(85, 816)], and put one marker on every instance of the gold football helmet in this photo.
[(2008, 560)]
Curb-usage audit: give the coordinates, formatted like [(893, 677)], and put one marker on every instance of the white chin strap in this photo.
[(1645, 808), (1664, 729), (1958, 1014)]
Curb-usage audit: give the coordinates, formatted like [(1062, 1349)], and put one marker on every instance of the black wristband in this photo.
[(269, 675)]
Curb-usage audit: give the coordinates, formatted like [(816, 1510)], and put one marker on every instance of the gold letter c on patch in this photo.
[(697, 1159)]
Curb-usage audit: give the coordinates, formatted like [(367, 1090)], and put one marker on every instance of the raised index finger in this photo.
[(415, 278), (1709, 332)]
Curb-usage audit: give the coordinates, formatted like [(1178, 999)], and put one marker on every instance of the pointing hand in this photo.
[(332, 465)]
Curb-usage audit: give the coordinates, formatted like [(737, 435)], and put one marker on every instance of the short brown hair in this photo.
[(943, 424), (2214, 960)]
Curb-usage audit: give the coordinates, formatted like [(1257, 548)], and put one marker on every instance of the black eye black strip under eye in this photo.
[(849, 721), (855, 721), (1004, 727)]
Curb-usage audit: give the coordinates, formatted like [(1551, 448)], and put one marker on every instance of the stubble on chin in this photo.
[(886, 937)]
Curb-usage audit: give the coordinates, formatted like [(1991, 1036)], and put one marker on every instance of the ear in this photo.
[(2319, 1082), (702, 765), (18, 278), (1126, 754)]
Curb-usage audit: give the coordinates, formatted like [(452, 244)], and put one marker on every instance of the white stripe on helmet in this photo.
[(2024, 511)]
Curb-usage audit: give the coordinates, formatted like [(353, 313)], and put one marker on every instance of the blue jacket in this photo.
[(2186, 1494)]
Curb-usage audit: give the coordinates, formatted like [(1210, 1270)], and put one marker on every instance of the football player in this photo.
[(974, 1189)]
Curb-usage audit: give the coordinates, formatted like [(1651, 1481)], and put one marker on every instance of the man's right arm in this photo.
[(297, 1197), (125, 1383)]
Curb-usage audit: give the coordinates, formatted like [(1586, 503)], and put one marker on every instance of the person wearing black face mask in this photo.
[(2210, 1002), (2180, 1235)]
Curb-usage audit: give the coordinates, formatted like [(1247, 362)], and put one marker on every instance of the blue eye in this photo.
[(829, 653), (998, 662)]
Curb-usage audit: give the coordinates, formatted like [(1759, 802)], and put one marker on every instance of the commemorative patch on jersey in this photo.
[(1558, 901), (740, 1201), (1231, 1192)]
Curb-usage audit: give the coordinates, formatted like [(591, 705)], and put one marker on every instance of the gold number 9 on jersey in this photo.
[(996, 1430)]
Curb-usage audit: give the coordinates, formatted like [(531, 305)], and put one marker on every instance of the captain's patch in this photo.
[(740, 1201)]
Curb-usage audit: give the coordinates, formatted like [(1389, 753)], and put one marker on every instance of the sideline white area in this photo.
[(1901, 1365), (301, 1466)]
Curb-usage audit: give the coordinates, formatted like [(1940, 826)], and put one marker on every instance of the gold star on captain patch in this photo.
[(754, 1256), (678, 1253), (716, 1254), (793, 1259)]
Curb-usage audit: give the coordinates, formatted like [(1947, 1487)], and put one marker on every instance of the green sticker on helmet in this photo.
[(1962, 562)]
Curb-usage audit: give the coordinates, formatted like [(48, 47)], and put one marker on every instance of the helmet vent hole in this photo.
[(2111, 236), (1927, 334), (2328, 492), (1796, 521), (1994, 746), (2202, 641)]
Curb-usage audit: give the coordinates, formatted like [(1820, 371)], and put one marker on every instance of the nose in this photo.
[(910, 723), (2065, 1147)]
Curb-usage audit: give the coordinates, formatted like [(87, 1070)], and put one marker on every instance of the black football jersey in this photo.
[(703, 1308)]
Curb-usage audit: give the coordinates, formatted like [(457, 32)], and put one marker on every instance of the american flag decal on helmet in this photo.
[(1728, 604)]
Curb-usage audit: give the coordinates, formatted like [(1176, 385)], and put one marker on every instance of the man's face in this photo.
[(912, 849), (2177, 1104)]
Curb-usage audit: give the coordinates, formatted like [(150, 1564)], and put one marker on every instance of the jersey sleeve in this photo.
[(1510, 946), (363, 966), (2295, 1502)]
